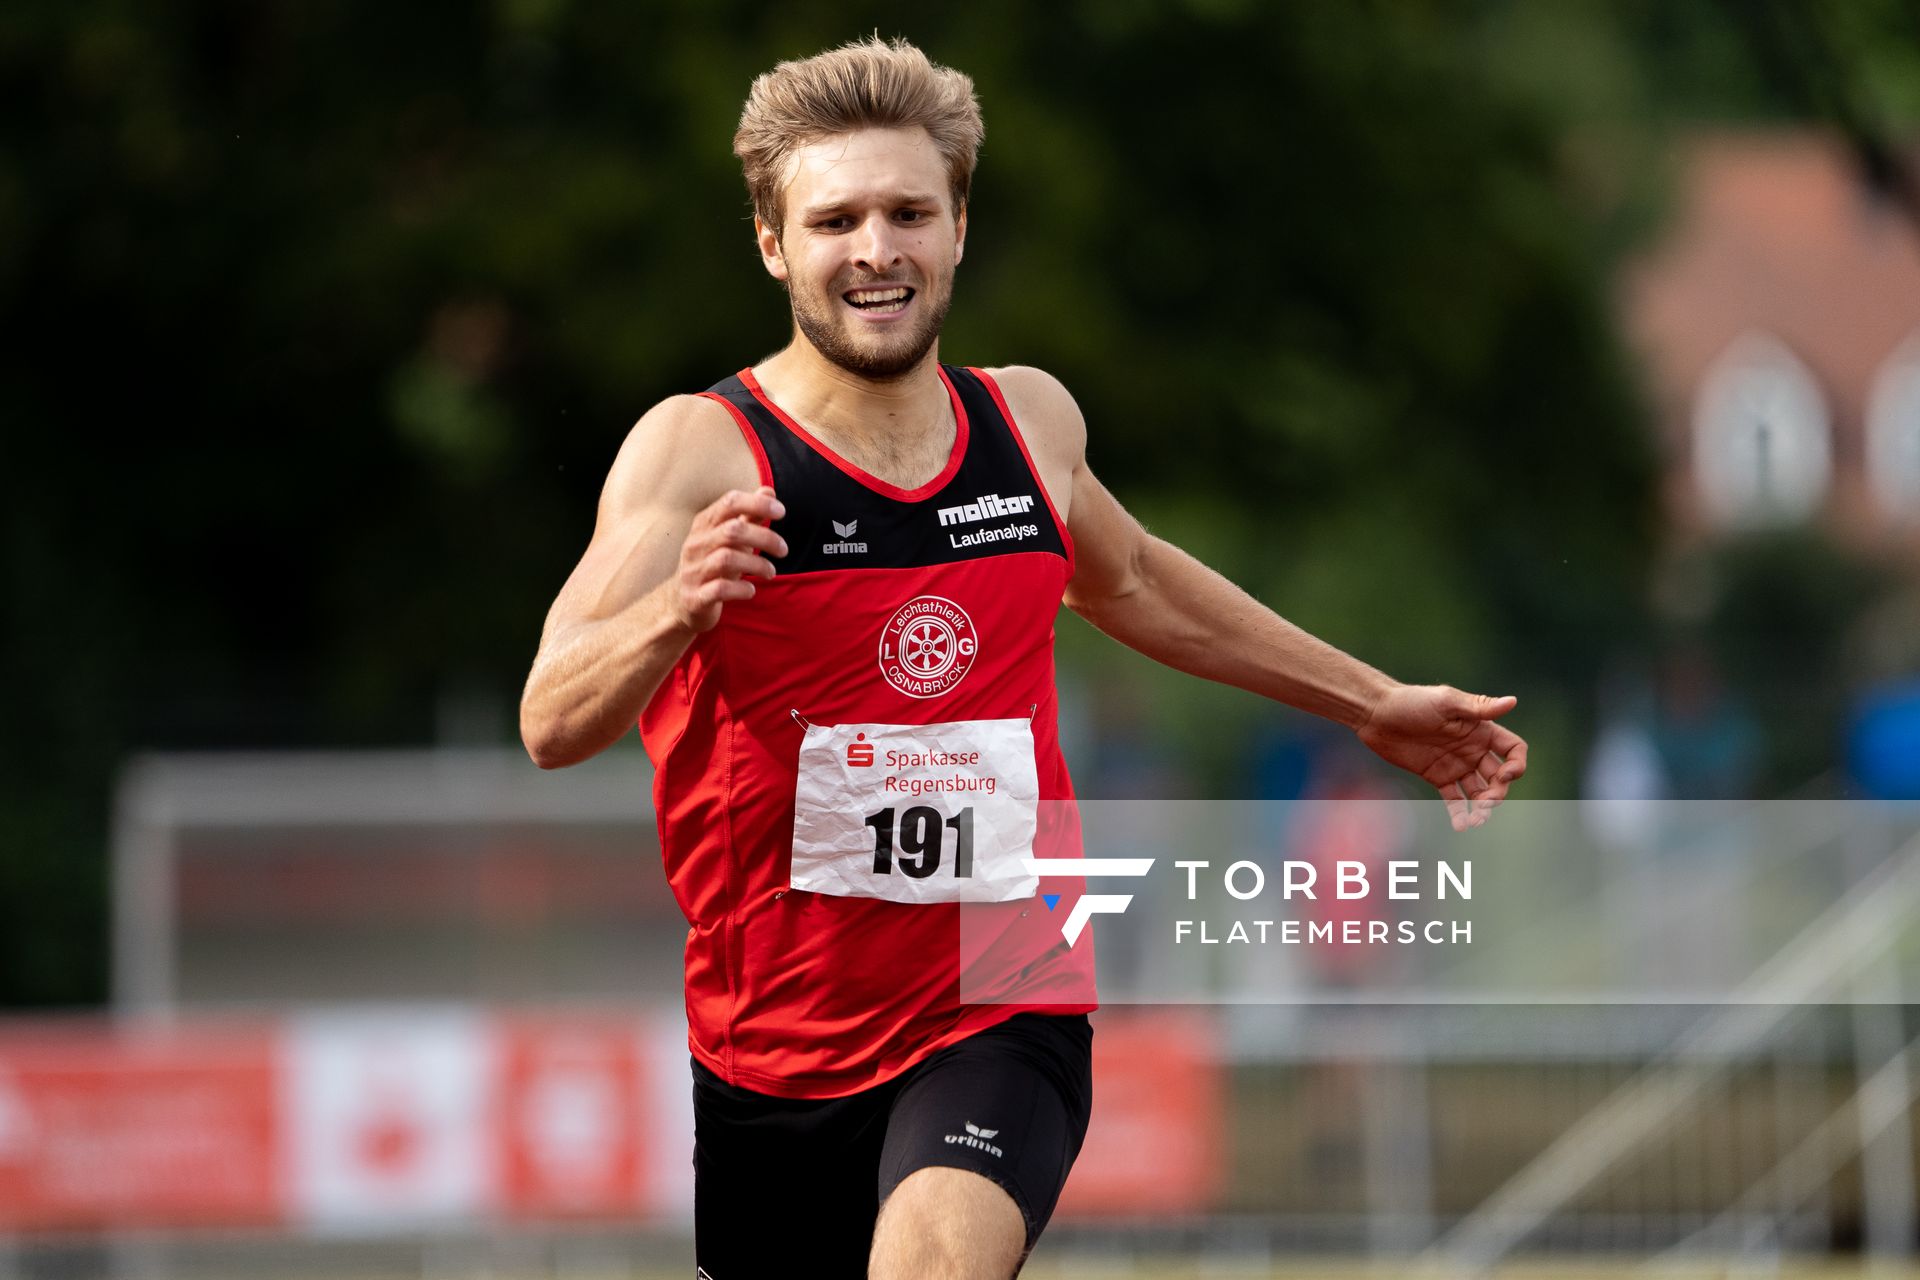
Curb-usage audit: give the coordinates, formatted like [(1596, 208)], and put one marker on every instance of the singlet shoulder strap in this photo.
[(733, 394), (976, 382)]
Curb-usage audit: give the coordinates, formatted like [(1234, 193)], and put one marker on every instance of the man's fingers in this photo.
[(744, 533), (1513, 750), (719, 591), (728, 563), (760, 504), (1478, 706), (726, 547), (1491, 794), (1493, 782), (732, 589), (1486, 791)]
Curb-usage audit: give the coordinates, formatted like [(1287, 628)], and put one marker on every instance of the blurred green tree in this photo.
[(327, 319)]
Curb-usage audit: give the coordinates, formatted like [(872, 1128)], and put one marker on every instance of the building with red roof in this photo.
[(1779, 323)]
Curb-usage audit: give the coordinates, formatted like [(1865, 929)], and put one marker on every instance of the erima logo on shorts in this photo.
[(975, 1136), (844, 547), (988, 506)]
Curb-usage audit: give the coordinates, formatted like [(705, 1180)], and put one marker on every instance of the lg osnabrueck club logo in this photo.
[(927, 646)]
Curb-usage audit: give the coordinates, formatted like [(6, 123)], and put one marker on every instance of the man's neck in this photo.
[(898, 419)]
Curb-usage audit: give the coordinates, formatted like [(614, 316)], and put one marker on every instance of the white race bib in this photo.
[(916, 812)]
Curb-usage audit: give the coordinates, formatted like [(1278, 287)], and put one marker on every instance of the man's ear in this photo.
[(771, 255), (960, 235)]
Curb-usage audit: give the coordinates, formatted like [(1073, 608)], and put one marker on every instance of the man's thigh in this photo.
[(1010, 1104), (783, 1186), (947, 1224)]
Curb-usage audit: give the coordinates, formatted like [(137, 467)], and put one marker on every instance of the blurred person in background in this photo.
[(849, 548), (1709, 745)]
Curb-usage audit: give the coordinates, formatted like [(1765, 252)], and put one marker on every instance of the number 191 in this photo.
[(922, 836)]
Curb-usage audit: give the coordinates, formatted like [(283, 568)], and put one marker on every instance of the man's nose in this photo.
[(875, 247)]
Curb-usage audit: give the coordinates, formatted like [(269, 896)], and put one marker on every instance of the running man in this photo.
[(826, 590)]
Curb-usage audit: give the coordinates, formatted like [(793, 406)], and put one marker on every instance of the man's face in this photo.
[(868, 216)]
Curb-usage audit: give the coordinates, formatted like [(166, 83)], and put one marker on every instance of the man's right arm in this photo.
[(680, 532)]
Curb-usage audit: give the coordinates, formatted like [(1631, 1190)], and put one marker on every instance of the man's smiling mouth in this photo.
[(879, 301)]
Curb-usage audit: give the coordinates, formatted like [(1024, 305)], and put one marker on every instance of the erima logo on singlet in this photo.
[(844, 547), (988, 506)]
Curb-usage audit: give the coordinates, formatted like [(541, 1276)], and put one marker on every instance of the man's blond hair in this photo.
[(868, 84)]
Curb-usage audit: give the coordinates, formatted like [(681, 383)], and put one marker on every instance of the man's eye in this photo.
[(911, 215), (836, 224)]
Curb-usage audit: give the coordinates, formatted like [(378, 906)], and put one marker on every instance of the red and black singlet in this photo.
[(919, 622)]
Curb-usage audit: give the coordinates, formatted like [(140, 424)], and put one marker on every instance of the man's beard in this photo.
[(887, 363)]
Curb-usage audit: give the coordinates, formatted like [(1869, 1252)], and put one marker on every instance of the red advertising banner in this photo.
[(375, 1121), (572, 1112), (1155, 1146), (388, 1119), (161, 1129)]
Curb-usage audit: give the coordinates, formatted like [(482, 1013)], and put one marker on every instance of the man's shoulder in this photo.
[(1029, 382), (1041, 405), (690, 414), (686, 450), (687, 429)]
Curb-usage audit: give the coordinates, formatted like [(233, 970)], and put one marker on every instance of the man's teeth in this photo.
[(874, 297)]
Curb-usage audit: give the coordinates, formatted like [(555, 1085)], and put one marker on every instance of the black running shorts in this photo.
[(786, 1186)]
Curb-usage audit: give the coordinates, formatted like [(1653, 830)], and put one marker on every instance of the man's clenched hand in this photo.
[(728, 543), (1450, 739)]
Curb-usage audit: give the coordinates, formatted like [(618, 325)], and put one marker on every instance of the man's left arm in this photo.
[(1153, 597)]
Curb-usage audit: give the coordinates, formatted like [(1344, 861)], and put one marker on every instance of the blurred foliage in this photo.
[(1775, 613), (327, 318)]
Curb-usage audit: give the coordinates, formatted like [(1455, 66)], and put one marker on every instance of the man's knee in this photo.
[(948, 1224)]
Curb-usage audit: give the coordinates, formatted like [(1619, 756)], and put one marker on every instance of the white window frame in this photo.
[(1759, 377), (1893, 433)]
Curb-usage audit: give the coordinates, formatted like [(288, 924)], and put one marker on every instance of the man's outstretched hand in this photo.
[(1450, 739)]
